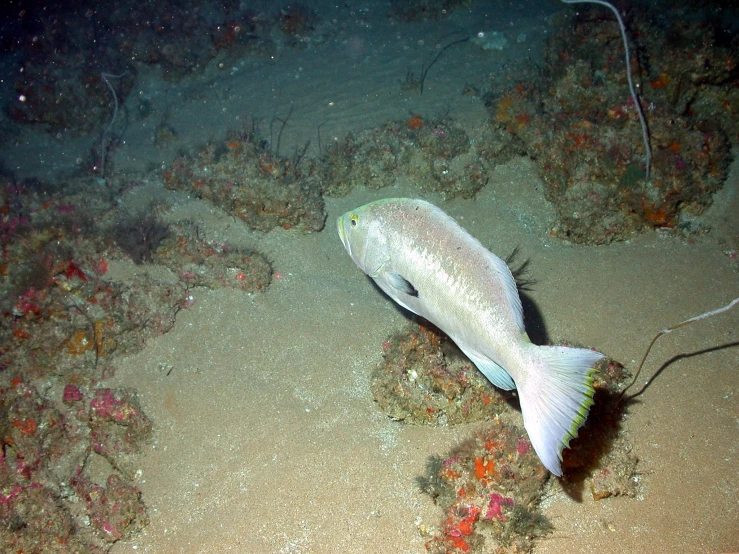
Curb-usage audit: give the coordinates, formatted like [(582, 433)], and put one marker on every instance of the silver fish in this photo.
[(421, 258)]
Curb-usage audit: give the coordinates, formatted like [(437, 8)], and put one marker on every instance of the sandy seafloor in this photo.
[(267, 439)]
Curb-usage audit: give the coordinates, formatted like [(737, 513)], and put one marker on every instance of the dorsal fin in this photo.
[(510, 290)]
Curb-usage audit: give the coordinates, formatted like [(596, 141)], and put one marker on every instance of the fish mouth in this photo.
[(342, 233)]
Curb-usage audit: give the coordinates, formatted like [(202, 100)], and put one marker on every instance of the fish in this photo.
[(426, 262)]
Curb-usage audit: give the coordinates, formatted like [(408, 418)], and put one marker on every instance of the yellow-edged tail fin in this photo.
[(556, 398)]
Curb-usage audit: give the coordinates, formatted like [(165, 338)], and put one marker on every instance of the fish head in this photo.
[(361, 232)]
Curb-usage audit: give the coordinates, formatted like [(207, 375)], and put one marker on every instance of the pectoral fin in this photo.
[(400, 283)]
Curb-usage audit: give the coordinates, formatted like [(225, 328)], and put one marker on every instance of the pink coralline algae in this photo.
[(11, 494), (105, 406), (451, 461), (71, 393), (495, 507), (28, 303), (523, 446), (118, 427)]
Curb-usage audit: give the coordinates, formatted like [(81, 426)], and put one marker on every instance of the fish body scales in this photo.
[(464, 284)]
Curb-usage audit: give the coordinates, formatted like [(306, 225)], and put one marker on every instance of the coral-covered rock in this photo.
[(32, 430), (423, 379), (62, 94), (201, 264), (256, 185), (579, 123), (489, 488), (65, 53), (437, 155), (33, 519), (61, 324), (116, 510), (118, 427)]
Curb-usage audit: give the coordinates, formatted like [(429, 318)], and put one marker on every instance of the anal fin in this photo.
[(494, 373)]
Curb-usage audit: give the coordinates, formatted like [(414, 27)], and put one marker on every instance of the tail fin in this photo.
[(555, 399)]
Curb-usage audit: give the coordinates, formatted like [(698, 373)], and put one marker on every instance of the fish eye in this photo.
[(354, 219)]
